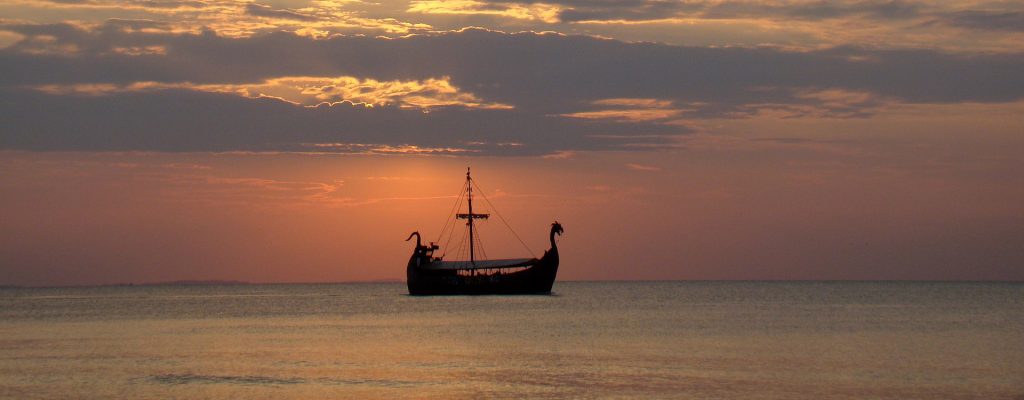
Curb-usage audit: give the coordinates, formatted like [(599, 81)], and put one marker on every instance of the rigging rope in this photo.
[(502, 218), (480, 244), (458, 202), (451, 233), (462, 251)]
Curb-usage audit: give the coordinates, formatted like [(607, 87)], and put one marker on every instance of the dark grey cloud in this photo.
[(892, 9), (71, 1), (640, 10), (160, 4), (170, 4), (119, 24), (528, 70), (181, 120), (544, 76), (261, 10), (881, 11), (985, 20), (628, 10)]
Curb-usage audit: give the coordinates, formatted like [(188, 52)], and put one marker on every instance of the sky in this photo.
[(302, 141)]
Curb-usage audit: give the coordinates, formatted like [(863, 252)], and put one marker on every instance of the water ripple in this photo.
[(184, 379)]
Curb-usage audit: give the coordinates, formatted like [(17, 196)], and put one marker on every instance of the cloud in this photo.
[(524, 70), (225, 17), (536, 11), (828, 103), (817, 10), (642, 167), (246, 190), (545, 92), (630, 110), (649, 10), (261, 10), (1010, 21), (368, 148), (177, 120), (9, 38), (309, 91), (807, 24)]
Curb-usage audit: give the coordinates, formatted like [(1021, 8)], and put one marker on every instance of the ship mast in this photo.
[(471, 216)]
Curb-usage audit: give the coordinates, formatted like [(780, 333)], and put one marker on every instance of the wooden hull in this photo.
[(534, 279)]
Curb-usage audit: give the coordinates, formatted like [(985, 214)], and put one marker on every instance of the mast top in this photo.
[(471, 215)]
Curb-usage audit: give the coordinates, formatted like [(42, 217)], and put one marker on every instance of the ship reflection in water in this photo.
[(688, 340)]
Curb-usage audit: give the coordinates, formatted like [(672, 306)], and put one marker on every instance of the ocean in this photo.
[(680, 340)]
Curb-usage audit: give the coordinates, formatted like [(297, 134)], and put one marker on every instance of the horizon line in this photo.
[(229, 282)]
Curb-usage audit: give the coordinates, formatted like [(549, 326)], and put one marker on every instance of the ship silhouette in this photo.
[(428, 274)]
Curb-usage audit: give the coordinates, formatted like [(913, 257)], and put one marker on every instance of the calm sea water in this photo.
[(687, 340)]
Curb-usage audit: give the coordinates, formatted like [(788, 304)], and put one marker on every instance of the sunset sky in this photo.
[(302, 141)]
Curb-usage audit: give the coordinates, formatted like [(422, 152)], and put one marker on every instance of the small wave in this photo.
[(391, 383), (184, 379), (187, 379)]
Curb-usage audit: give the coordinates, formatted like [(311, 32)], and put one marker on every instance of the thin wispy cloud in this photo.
[(642, 167)]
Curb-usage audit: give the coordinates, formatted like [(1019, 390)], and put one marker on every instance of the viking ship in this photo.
[(430, 274)]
